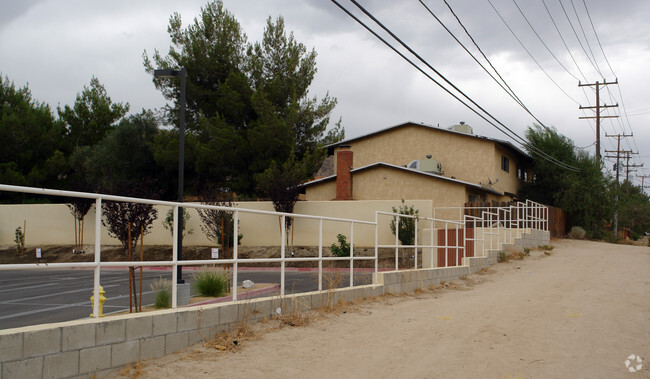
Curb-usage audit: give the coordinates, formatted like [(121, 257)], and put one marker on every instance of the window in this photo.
[(505, 163)]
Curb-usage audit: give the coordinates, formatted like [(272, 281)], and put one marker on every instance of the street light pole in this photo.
[(169, 73)]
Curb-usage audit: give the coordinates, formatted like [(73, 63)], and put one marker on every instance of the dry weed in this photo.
[(133, 372), (516, 255), (233, 340), (299, 315)]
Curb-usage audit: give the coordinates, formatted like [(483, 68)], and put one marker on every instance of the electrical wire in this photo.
[(563, 41), (576, 34), (598, 39), (531, 55), (525, 143), (586, 39), (542, 41), (507, 88)]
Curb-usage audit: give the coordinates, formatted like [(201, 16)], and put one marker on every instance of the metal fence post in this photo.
[(320, 254), (352, 254), (283, 229), (235, 255), (98, 255)]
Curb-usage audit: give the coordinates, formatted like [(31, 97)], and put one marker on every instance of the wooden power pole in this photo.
[(618, 169), (598, 107)]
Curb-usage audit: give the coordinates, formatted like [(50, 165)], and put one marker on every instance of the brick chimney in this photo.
[(343, 175)]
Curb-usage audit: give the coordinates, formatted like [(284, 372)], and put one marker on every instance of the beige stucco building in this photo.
[(417, 161)]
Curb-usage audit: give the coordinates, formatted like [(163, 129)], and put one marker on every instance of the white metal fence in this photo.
[(492, 224)]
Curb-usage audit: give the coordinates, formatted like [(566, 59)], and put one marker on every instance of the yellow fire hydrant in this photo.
[(102, 299)]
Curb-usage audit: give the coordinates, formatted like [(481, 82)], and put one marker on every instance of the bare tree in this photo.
[(79, 209)]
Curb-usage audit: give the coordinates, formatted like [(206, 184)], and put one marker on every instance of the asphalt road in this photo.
[(31, 297)]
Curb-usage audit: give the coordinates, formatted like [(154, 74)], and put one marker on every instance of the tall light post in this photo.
[(169, 73)]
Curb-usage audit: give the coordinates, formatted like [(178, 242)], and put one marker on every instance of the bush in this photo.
[(168, 222), (19, 239), (503, 257), (577, 232), (212, 283), (162, 292), (406, 225), (343, 248)]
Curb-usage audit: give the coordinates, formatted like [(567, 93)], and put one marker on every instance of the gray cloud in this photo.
[(58, 46)]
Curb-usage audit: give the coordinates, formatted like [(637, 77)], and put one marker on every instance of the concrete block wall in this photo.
[(533, 238), (96, 347)]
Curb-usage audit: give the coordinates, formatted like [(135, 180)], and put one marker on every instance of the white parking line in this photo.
[(26, 288), (89, 290), (85, 303)]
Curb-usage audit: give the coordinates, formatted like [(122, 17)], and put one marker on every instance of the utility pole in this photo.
[(643, 187), (597, 107), (617, 166), (618, 150), (628, 165)]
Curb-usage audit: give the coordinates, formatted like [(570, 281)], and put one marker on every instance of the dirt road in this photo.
[(578, 312)]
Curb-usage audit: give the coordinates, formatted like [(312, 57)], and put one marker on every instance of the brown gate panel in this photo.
[(449, 239), (469, 244)]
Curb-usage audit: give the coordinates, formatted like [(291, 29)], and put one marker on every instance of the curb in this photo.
[(242, 296)]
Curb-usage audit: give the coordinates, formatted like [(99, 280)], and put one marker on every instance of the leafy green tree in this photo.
[(92, 116), (125, 158), (633, 208), (584, 195), (31, 140), (248, 104)]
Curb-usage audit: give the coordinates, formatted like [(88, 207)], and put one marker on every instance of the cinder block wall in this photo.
[(88, 347)]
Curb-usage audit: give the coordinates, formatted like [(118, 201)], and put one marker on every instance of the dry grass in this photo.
[(516, 255), (299, 315), (136, 371), (236, 338)]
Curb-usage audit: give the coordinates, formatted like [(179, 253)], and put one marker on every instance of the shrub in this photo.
[(168, 222), (19, 239), (577, 232), (162, 290), (343, 247), (503, 257), (406, 225), (211, 283)]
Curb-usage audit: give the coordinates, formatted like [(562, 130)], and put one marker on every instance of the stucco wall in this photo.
[(390, 183), (49, 224), (463, 156), (507, 181)]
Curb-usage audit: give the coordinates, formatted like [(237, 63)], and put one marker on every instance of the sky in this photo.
[(55, 47)]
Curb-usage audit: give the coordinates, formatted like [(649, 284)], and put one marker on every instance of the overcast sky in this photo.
[(57, 46)]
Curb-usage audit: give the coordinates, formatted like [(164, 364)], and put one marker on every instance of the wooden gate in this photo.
[(465, 237)]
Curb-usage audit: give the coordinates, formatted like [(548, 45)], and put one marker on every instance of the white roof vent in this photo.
[(462, 127), (429, 165)]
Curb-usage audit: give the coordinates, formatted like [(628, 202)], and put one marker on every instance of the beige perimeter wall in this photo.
[(52, 224)]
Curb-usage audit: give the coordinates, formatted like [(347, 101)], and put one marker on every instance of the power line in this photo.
[(542, 41), (576, 34), (509, 90), (524, 143), (563, 41), (523, 140), (531, 55), (598, 39), (586, 39)]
